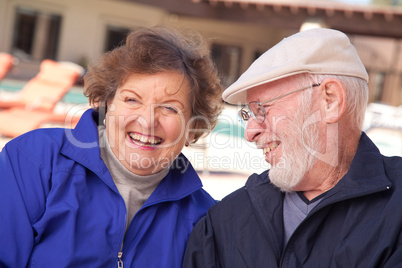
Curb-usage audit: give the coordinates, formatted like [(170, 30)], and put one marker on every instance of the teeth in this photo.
[(145, 139), (270, 147)]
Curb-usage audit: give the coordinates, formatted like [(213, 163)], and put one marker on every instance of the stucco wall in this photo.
[(84, 23)]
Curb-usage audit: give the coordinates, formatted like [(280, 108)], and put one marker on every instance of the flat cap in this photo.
[(315, 51)]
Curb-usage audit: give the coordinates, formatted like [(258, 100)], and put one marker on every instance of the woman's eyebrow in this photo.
[(131, 92), (173, 100), (170, 100)]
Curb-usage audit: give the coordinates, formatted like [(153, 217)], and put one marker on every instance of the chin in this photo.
[(285, 178)]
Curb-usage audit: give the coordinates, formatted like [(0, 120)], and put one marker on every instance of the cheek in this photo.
[(174, 128), (120, 118), (278, 123), (116, 123)]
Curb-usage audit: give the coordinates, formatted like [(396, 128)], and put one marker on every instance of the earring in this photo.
[(104, 121)]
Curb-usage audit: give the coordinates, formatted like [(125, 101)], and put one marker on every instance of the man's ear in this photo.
[(335, 99)]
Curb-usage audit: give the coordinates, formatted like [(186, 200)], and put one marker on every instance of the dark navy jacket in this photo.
[(61, 208), (357, 224)]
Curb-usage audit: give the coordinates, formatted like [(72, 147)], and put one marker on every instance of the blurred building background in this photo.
[(237, 32)]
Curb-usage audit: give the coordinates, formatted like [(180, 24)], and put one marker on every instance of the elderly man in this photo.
[(330, 198)]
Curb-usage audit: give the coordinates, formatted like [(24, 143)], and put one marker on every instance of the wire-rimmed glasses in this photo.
[(257, 110)]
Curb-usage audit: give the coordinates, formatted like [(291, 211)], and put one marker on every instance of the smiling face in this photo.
[(284, 137), (147, 119)]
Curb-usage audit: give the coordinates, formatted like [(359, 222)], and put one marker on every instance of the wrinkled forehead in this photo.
[(270, 90)]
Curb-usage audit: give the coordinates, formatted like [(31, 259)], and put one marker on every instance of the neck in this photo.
[(326, 174)]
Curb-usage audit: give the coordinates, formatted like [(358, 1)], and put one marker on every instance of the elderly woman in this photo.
[(115, 190)]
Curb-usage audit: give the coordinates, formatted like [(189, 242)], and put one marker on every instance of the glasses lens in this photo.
[(244, 115), (257, 111)]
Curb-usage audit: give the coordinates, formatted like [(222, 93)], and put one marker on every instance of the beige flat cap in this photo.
[(315, 51)]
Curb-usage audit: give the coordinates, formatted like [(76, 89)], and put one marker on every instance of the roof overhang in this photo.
[(291, 14)]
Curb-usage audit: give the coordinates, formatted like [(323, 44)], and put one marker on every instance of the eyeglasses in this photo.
[(257, 110)]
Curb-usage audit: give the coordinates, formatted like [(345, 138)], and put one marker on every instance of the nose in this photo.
[(254, 130), (148, 118)]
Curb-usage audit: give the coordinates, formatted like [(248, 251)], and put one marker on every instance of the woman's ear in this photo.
[(335, 99), (190, 138), (190, 133)]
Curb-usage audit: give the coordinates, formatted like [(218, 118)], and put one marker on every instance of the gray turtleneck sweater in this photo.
[(134, 189)]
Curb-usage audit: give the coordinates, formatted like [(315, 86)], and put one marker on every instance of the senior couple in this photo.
[(116, 191)]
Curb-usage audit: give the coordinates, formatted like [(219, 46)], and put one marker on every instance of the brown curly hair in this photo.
[(154, 50)]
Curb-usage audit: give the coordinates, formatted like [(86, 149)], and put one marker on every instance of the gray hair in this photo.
[(356, 93)]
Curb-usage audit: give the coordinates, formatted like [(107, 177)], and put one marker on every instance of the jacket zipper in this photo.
[(119, 260), (120, 253)]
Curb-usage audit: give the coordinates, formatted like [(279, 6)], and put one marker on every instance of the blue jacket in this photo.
[(61, 208), (357, 224)]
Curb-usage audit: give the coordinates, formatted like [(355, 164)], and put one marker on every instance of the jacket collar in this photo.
[(366, 174), (181, 181), (82, 145)]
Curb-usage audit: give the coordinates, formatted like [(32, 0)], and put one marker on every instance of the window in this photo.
[(378, 88), (115, 37), (227, 59), (24, 30), (36, 34)]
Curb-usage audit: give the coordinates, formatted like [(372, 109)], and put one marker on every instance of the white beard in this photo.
[(296, 160)]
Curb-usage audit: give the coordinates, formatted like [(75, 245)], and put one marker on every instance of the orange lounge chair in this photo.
[(47, 88), (6, 62), (38, 99), (16, 121)]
